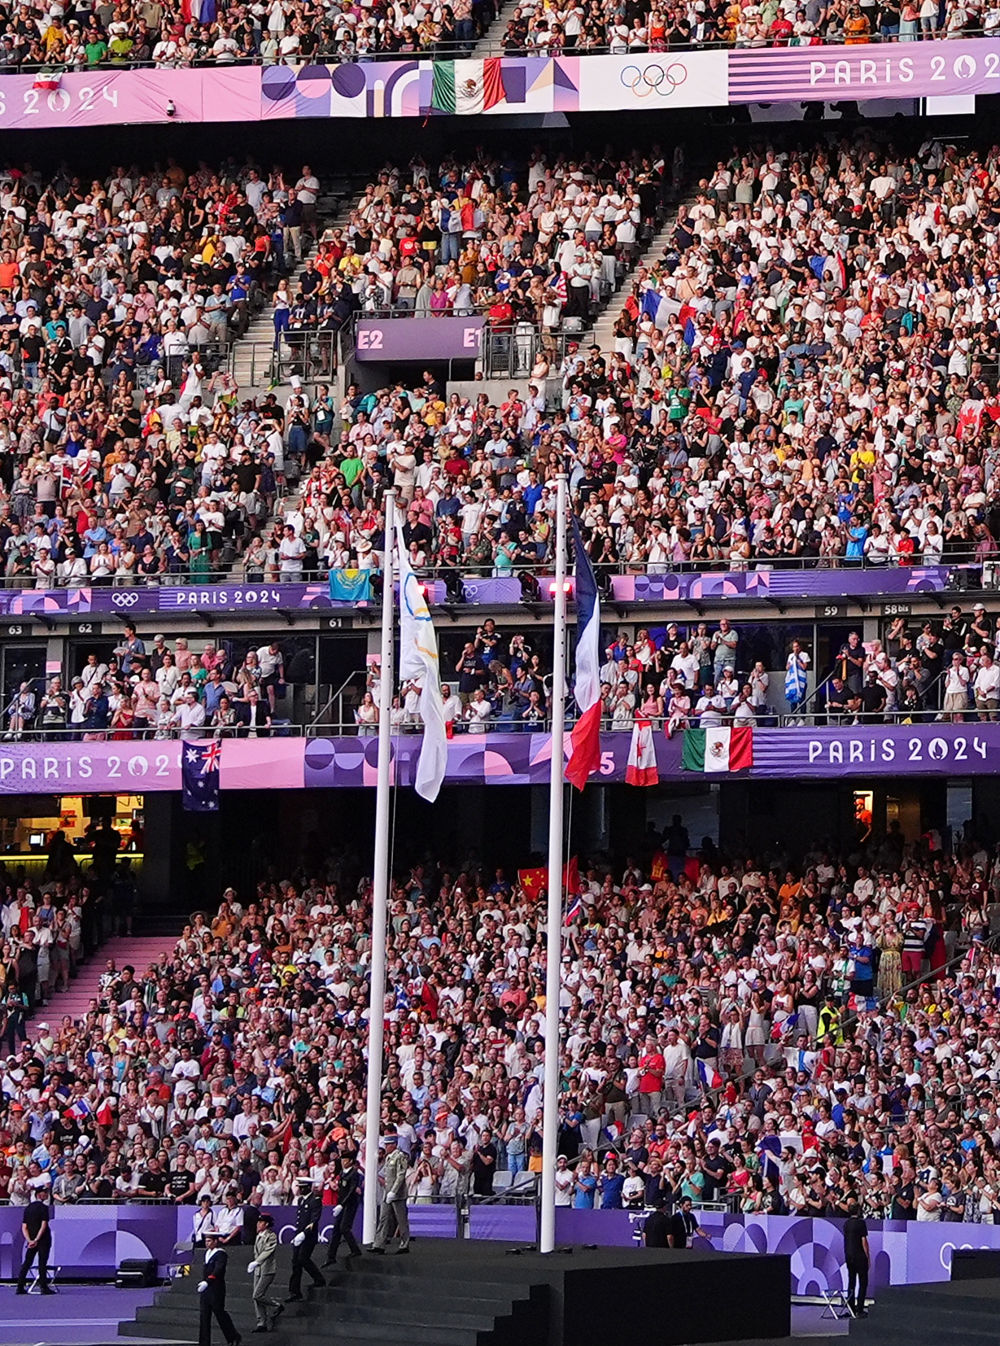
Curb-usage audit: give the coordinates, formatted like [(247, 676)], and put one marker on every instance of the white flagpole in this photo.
[(554, 919), (380, 883)]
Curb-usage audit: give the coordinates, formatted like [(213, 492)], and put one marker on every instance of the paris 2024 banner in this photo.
[(500, 85)]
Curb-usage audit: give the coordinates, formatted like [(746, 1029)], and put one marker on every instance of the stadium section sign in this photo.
[(418, 339)]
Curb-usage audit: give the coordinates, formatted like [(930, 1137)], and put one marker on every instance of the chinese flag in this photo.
[(534, 881)]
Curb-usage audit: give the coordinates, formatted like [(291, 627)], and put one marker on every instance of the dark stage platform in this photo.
[(465, 1293), (964, 1312)]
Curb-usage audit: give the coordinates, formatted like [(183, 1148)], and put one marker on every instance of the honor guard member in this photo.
[(309, 1208)]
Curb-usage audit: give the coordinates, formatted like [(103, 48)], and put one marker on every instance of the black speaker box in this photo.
[(136, 1271)]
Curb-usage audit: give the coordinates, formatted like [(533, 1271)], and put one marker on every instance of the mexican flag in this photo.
[(467, 87), (641, 768), (717, 750)]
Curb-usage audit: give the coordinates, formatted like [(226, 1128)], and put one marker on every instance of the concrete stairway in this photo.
[(252, 354), (139, 951), (489, 43), (376, 1301), (604, 325)]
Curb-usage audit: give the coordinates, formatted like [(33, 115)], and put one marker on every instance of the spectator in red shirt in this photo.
[(651, 1067)]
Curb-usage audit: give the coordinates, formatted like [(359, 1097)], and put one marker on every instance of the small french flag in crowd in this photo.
[(573, 910), (709, 1076), (78, 1110)]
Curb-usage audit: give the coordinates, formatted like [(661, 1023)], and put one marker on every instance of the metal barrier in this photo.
[(970, 563), (312, 356), (348, 727), (478, 47)]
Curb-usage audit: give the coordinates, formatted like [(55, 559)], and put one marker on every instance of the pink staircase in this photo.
[(137, 950)]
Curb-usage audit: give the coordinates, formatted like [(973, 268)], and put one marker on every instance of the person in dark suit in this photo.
[(856, 1258), (684, 1226), (254, 718), (308, 1211), (343, 1225), (37, 1232), (656, 1230), (212, 1295)]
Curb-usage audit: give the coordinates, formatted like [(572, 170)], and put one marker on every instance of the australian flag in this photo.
[(200, 776)]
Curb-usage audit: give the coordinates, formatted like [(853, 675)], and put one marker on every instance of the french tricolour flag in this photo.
[(659, 308), (709, 1076), (585, 740)]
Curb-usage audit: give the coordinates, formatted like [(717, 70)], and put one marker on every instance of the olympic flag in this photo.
[(419, 664), (652, 81)]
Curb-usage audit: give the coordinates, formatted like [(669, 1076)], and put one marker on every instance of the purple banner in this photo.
[(139, 766), (235, 598), (513, 1224), (69, 768), (502, 757), (876, 750), (90, 1241), (902, 1253), (495, 592), (488, 591), (896, 70), (82, 99), (505, 758), (820, 584), (418, 339)]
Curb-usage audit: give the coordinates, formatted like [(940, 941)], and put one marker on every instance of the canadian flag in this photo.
[(641, 768)]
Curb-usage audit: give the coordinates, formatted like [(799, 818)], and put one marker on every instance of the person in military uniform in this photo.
[(392, 1217), (348, 1199), (263, 1269), (212, 1295), (309, 1208)]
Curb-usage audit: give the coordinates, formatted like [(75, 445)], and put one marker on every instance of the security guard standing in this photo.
[(36, 1231), (307, 1217), (393, 1217), (263, 1269)]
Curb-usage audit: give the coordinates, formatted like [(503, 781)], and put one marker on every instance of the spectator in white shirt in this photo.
[(987, 687)]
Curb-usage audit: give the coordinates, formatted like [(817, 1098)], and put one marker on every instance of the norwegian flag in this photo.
[(200, 776)]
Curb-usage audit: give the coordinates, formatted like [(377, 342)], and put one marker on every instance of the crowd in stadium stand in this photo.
[(682, 675), (548, 30), (112, 36), (126, 455), (152, 689), (533, 243), (735, 1029), (107, 36), (802, 379)]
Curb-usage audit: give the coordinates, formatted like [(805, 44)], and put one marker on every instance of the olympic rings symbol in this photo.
[(653, 78), (124, 600)]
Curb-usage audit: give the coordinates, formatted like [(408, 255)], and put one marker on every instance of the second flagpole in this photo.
[(380, 882), (554, 918)]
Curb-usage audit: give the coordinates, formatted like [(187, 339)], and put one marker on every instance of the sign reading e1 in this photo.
[(419, 339)]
